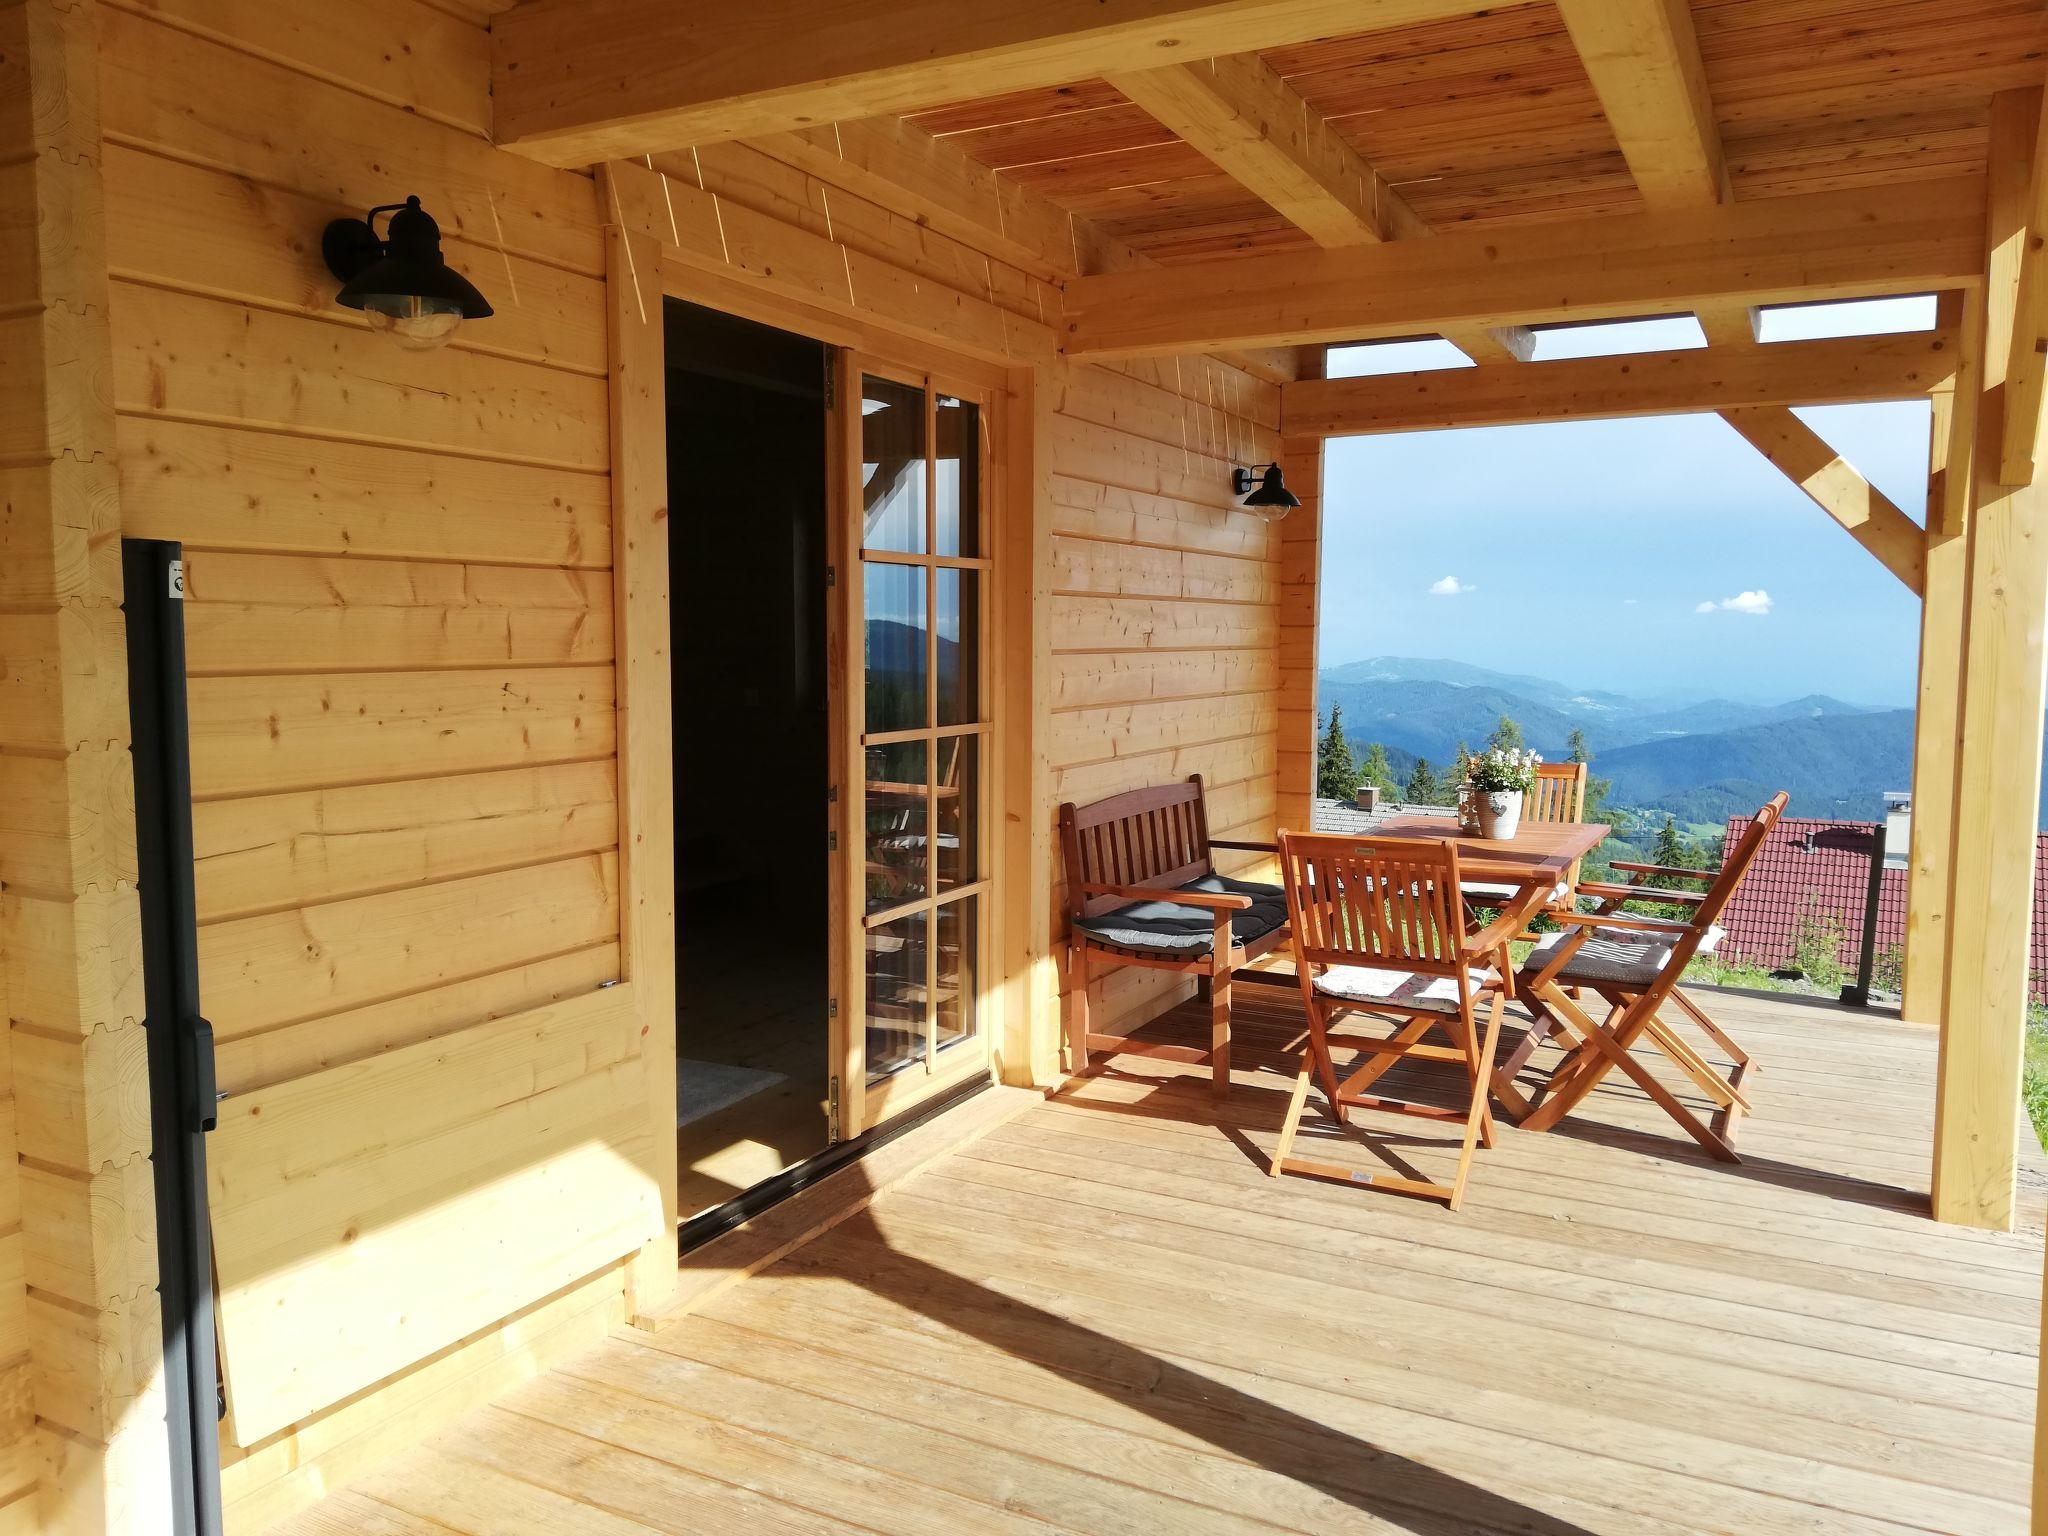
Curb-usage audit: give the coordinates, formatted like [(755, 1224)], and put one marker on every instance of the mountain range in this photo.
[(1701, 761)]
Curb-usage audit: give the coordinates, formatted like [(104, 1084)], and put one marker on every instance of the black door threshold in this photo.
[(745, 1206)]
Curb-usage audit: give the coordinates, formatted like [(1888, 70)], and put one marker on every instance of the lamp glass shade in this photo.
[(1270, 498), (407, 289)]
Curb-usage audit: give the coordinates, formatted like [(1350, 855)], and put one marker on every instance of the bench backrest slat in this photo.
[(1156, 837)]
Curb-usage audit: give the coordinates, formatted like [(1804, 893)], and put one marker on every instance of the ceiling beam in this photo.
[(1256, 128), (1644, 62), (1836, 486), (1857, 243), (1840, 372), (574, 82), (1251, 124)]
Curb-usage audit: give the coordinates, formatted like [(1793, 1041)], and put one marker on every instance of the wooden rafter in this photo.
[(1835, 372), (1850, 244), (1251, 124), (1645, 66), (579, 81), (1255, 127), (1837, 487)]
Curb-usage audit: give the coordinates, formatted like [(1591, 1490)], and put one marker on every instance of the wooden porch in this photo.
[(1103, 1315)]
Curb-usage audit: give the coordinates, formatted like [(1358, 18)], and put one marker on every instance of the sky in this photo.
[(1655, 555)]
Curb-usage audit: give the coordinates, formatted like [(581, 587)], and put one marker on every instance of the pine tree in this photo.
[(1423, 788), (1506, 737), (1669, 849), (1595, 808), (1455, 774), (1337, 774), (1377, 770)]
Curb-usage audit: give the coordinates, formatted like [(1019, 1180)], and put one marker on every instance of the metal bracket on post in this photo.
[(1857, 993)]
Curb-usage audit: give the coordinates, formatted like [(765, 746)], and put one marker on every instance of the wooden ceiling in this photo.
[(1491, 118)]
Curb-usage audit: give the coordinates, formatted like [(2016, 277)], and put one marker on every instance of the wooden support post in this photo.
[(647, 911), (1301, 555), (1998, 766), (87, 1401), (1944, 615), (1027, 1052)]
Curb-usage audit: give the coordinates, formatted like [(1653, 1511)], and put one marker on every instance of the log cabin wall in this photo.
[(1166, 607), (430, 1171), (400, 637)]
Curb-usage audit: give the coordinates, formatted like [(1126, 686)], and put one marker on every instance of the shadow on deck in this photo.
[(1104, 1316)]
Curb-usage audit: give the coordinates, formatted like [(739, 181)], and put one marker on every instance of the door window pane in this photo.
[(896, 994), (892, 466), (957, 426), (959, 933), (898, 825), (895, 624), (959, 658), (956, 851)]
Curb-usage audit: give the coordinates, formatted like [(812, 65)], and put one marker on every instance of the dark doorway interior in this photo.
[(747, 510)]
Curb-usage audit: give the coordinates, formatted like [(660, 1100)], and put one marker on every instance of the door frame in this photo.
[(1018, 1001)]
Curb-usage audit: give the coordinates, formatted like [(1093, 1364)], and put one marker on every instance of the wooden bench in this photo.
[(1142, 890)]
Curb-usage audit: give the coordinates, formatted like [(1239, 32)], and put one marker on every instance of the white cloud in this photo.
[(1450, 586), (1629, 602), (1757, 604)]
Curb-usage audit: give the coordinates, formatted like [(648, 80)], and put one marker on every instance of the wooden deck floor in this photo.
[(1103, 1316)]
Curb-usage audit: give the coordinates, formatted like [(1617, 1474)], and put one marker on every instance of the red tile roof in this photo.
[(1823, 868)]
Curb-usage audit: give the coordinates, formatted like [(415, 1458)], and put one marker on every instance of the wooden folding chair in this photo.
[(1378, 928), (1634, 963)]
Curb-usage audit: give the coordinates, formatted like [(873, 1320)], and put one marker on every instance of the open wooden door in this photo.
[(915, 732)]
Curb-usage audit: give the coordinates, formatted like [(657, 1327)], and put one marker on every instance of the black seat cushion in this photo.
[(1162, 927)]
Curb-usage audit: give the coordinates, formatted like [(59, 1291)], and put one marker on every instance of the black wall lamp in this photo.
[(1269, 498), (400, 279)]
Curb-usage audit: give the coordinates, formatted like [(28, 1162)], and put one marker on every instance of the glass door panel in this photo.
[(918, 691)]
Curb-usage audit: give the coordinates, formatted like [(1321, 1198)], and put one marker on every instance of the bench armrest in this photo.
[(1495, 935), (1215, 902)]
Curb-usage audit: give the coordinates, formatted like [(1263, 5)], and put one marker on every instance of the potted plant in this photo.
[(1499, 779)]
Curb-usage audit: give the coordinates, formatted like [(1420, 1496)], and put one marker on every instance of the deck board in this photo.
[(1104, 1316)]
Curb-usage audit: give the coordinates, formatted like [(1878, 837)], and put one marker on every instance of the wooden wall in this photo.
[(401, 633), (20, 473), (1165, 605), (403, 689)]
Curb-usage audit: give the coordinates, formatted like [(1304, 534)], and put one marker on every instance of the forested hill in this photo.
[(1702, 760)]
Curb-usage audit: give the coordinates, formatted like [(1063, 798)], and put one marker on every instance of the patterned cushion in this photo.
[(1166, 927), (1617, 955), (1486, 893), (1367, 985)]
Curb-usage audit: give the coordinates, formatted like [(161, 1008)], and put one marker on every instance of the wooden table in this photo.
[(1537, 859)]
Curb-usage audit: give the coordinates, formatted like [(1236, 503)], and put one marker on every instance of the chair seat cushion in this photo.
[(1487, 893), (1617, 956), (1367, 986), (1168, 928)]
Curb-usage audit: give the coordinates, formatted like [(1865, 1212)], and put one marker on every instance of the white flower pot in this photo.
[(1500, 812)]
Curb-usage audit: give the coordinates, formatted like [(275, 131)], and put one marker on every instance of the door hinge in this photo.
[(832, 1110), (831, 842), (832, 794), (831, 379), (831, 575)]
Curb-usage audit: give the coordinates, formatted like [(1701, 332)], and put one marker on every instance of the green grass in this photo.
[(2034, 1075)]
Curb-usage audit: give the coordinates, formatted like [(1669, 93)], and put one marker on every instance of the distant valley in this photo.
[(1699, 760)]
